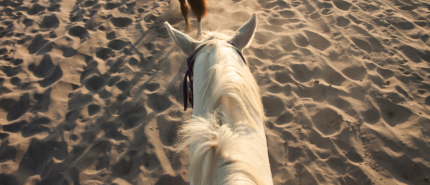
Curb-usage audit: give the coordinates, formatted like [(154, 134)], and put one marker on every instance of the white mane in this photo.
[(210, 164), (224, 71)]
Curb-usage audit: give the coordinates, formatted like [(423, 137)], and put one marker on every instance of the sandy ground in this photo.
[(90, 91)]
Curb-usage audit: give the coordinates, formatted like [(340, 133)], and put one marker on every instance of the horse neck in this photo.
[(222, 79)]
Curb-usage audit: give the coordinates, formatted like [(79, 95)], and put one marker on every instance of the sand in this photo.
[(91, 91)]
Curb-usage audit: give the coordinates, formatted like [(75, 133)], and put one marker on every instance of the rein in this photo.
[(189, 74)]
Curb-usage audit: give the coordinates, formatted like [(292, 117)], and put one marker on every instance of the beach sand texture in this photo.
[(91, 90)]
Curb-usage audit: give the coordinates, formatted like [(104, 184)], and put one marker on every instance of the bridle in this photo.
[(189, 74)]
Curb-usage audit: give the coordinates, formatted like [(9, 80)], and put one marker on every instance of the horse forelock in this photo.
[(220, 35)]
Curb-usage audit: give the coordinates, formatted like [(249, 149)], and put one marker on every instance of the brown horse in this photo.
[(199, 9)]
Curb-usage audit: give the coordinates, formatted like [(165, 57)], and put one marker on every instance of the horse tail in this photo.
[(199, 8), (208, 161)]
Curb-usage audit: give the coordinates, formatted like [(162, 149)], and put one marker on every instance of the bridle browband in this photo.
[(189, 74)]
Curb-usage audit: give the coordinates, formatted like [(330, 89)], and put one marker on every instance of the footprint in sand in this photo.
[(123, 85), (287, 43), (301, 72), (337, 164), (35, 9), (322, 5), (342, 21), (287, 14), (117, 44), (44, 68), (149, 161), (427, 101), (69, 52), (39, 154), (167, 179), (327, 121), (78, 31), (273, 105), (263, 37), (386, 73), (362, 44), (415, 55), (285, 118), (151, 87), (14, 127), (104, 53), (54, 7), (111, 131), (343, 5), (110, 35), (167, 132), (112, 81), (15, 81), (36, 126), (133, 61), (10, 70), (315, 15), (15, 109), (93, 109), (111, 5), (37, 43), (354, 157), (78, 16), (50, 21), (400, 23), (95, 83), (301, 40), (317, 41), (370, 114), (357, 72), (131, 114), (283, 77), (89, 3), (52, 78), (394, 114), (158, 102), (121, 21)]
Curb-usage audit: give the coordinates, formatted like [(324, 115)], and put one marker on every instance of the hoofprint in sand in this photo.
[(91, 90)]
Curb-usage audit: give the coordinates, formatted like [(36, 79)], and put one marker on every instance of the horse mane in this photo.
[(230, 82), (210, 165), (199, 8), (230, 78)]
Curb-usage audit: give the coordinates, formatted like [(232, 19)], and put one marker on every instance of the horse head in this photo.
[(240, 39)]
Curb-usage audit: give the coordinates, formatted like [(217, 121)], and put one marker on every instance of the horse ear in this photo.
[(184, 42), (243, 36)]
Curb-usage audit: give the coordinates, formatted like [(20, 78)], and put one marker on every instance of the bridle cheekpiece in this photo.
[(189, 74)]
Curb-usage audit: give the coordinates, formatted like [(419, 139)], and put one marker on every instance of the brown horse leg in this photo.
[(199, 9), (184, 10)]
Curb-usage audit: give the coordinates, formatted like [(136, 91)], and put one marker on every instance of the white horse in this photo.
[(226, 134)]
